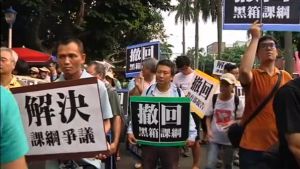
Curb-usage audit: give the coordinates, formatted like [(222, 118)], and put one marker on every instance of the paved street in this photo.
[(127, 162)]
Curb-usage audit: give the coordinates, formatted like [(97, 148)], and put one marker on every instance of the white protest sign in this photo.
[(62, 118), (30, 80), (219, 66), (201, 92)]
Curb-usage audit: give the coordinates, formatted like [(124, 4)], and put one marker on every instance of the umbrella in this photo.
[(30, 55)]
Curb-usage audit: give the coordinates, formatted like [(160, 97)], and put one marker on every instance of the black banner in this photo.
[(137, 53), (273, 11), (161, 122)]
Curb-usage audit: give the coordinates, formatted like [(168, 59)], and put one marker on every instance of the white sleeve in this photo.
[(105, 105), (210, 110), (240, 109)]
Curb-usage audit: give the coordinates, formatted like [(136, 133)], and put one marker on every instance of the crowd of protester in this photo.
[(260, 134)]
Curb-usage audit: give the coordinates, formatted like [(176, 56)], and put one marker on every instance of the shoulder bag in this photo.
[(236, 131)]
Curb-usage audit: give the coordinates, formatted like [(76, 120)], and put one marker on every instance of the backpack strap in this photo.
[(236, 103), (214, 100), (148, 90), (178, 91)]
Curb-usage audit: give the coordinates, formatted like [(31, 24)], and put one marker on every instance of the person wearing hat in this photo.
[(226, 109), (34, 72), (44, 74), (113, 81)]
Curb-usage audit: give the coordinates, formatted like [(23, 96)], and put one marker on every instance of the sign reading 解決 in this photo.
[(276, 15), (219, 66), (136, 54), (62, 119), (201, 92), (160, 121)]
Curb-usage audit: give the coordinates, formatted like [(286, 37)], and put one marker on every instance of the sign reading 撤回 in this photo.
[(62, 120), (219, 66), (136, 54), (160, 121), (201, 92), (276, 15)]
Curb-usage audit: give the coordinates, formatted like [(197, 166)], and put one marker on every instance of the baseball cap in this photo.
[(228, 77), (44, 69), (109, 74), (35, 69)]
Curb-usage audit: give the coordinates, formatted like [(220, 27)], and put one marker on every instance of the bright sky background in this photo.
[(207, 33)]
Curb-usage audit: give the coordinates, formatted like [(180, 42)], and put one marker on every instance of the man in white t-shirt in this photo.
[(184, 80), (224, 111)]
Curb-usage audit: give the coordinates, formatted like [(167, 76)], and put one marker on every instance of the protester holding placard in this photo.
[(260, 86), (70, 58), (169, 156), (98, 70), (13, 140), (9, 59), (225, 110), (145, 79), (184, 80)]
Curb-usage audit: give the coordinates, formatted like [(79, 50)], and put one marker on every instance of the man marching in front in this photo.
[(168, 156), (258, 84)]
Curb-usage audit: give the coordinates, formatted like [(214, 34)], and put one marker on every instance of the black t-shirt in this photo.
[(286, 106)]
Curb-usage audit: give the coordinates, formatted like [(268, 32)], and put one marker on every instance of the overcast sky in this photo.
[(207, 33)]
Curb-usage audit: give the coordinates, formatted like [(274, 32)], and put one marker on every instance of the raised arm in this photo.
[(248, 59)]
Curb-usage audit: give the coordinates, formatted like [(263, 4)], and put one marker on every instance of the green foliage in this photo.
[(234, 54), (106, 27), (165, 50), (279, 36)]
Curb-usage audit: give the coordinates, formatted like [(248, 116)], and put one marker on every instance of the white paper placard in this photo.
[(219, 66), (74, 124)]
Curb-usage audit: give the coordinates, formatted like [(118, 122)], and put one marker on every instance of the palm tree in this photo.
[(165, 50), (219, 24), (208, 10), (184, 14)]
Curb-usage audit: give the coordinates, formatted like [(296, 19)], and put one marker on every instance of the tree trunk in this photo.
[(183, 36), (219, 24), (196, 14), (288, 52)]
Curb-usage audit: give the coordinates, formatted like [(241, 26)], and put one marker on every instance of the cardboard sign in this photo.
[(62, 120), (219, 66)]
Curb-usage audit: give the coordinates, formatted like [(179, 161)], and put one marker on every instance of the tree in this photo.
[(234, 54), (208, 10), (165, 50), (184, 14), (105, 27)]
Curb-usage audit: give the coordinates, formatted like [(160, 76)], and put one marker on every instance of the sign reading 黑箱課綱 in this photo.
[(136, 54), (124, 98), (62, 120), (30, 80), (276, 15), (219, 66), (201, 92), (160, 121)]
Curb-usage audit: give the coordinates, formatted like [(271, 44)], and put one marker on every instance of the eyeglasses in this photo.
[(267, 45)]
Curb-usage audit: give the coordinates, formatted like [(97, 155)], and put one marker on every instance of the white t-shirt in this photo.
[(158, 93), (223, 113), (184, 82)]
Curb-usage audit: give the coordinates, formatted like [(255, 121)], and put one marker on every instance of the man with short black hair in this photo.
[(286, 106), (70, 58), (184, 80), (168, 156)]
